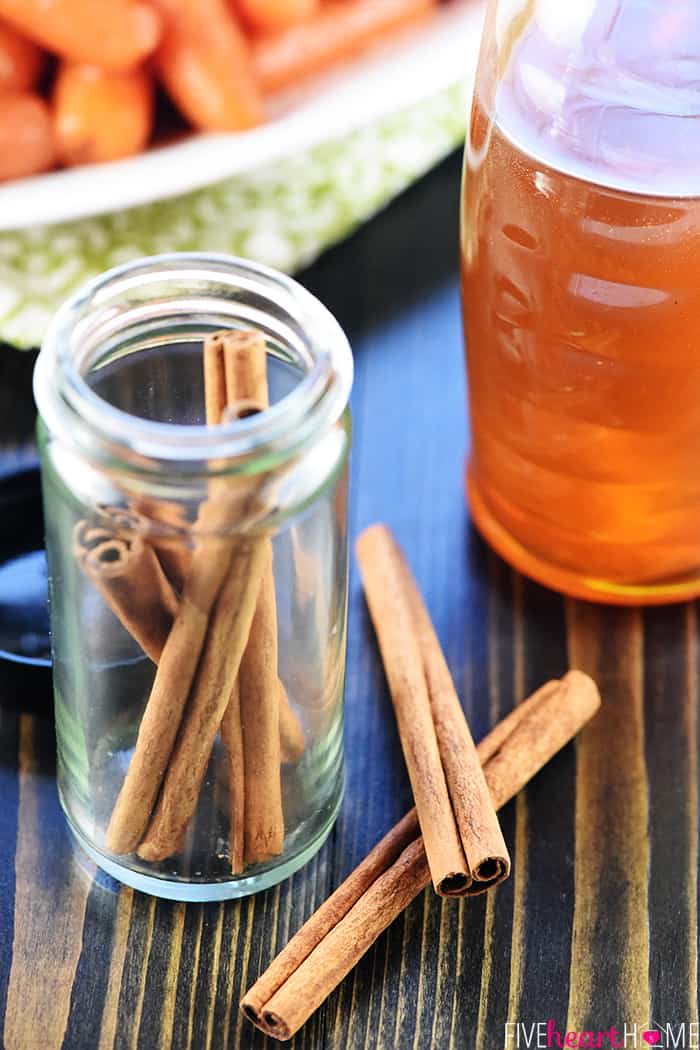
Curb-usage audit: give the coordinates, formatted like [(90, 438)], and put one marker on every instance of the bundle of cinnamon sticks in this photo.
[(452, 837), (214, 643)]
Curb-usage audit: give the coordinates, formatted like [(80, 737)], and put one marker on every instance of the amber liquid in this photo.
[(581, 291)]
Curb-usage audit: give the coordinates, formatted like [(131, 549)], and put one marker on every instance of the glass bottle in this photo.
[(580, 247)]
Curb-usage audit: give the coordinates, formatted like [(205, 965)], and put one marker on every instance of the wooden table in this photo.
[(598, 924)]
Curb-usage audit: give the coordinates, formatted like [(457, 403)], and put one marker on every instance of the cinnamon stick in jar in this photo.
[(225, 639), (229, 636), (163, 525), (466, 850), (245, 367), (232, 739), (259, 687), (235, 367), (166, 704), (126, 572), (292, 739), (335, 938), (235, 373)]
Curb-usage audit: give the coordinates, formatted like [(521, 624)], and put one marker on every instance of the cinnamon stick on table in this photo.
[(336, 937), (463, 840), (126, 572)]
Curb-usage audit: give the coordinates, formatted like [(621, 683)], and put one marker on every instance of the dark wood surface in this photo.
[(598, 924)]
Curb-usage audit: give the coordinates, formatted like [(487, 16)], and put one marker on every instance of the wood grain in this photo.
[(50, 897), (108, 1029), (611, 920), (597, 925)]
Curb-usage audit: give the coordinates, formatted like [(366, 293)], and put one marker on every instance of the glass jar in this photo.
[(198, 576)]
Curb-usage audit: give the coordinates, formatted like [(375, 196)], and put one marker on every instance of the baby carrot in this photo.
[(204, 63), (99, 115), (20, 61), (269, 16), (116, 34), (339, 30), (26, 135)]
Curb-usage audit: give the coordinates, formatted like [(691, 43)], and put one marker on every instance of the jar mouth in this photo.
[(206, 292)]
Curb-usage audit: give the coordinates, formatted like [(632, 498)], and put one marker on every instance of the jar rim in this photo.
[(72, 409)]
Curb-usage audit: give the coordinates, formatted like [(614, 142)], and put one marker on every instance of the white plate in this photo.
[(413, 66)]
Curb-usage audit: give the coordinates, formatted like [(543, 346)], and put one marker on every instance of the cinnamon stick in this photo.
[(215, 394), (216, 405), (463, 840), (292, 739), (131, 581), (329, 914), (162, 525), (244, 358), (334, 939), (177, 666), (226, 636), (479, 831), (232, 739), (260, 718)]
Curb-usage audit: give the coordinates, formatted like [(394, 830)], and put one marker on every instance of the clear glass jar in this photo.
[(196, 761)]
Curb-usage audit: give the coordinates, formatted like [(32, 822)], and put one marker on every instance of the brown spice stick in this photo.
[(216, 562), (215, 396), (403, 663), (245, 364), (327, 947), (232, 739), (346, 943), (260, 717), (131, 581), (479, 830), (384, 854), (176, 670), (155, 519), (226, 637), (329, 914), (244, 356), (216, 405), (292, 739)]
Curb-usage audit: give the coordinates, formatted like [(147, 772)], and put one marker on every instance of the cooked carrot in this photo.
[(339, 30), (116, 34), (20, 61), (99, 115), (204, 63), (269, 16), (26, 135)]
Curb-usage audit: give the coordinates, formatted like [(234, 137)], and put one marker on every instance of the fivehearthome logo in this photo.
[(547, 1035)]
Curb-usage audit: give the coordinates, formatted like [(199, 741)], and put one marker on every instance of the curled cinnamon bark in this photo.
[(127, 574)]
